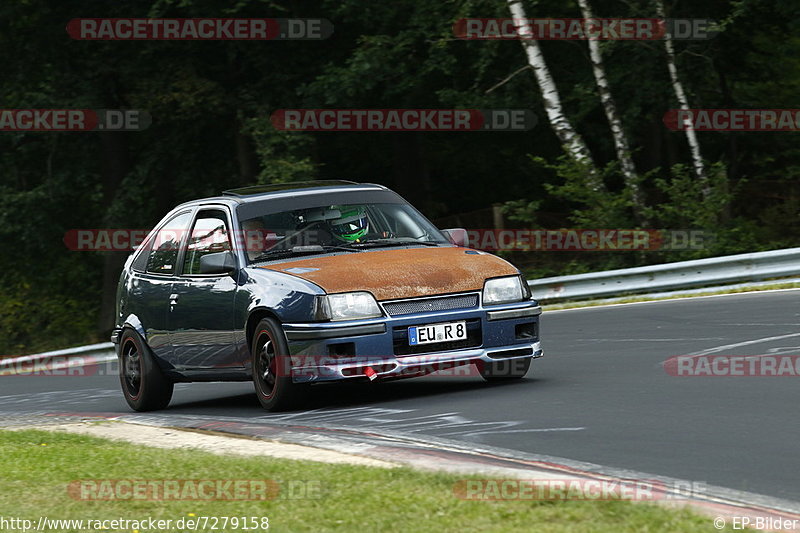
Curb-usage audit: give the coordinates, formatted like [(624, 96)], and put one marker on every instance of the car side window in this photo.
[(163, 252), (209, 235)]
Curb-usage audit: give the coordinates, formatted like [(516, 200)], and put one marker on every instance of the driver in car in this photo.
[(351, 225)]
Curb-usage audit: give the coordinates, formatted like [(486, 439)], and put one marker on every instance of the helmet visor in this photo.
[(352, 225)]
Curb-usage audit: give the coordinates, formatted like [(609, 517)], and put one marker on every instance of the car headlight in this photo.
[(347, 306), (505, 290)]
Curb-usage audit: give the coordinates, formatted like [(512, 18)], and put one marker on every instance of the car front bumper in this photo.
[(378, 348)]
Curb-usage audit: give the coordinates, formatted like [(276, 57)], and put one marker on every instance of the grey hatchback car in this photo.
[(303, 283)]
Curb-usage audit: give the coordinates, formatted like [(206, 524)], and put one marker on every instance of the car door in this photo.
[(201, 305), (153, 272)]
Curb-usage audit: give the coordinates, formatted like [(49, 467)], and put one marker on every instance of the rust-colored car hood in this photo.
[(399, 273)]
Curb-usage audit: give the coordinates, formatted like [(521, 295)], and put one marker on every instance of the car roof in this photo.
[(278, 190)]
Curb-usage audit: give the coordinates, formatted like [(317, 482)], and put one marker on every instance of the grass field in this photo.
[(37, 468)]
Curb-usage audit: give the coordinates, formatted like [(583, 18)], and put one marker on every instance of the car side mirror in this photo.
[(218, 263), (457, 236)]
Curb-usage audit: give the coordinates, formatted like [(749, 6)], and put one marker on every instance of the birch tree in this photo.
[(683, 102), (612, 115), (570, 139)]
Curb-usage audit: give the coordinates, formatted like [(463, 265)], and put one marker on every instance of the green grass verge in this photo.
[(36, 468), (636, 299)]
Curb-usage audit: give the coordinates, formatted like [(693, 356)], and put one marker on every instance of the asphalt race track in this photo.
[(600, 395)]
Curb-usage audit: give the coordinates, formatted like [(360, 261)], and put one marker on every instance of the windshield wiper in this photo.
[(300, 250), (381, 243)]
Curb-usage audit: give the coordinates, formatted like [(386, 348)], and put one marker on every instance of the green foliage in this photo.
[(283, 155), (686, 204), (522, 211), (690, 202), (602, 208), (35, 321)]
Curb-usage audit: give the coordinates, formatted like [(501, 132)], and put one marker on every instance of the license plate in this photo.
[(453, 331)]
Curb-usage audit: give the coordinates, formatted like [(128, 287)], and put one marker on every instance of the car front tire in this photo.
[(272, 374), (143, 384), (504, 370)]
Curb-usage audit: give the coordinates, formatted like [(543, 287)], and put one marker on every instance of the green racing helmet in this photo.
[(352, 223)]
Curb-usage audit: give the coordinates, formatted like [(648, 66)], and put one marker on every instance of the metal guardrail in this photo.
[(103, 350), (669, 276)]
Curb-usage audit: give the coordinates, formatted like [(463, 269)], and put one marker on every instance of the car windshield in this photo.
[(329, 228)]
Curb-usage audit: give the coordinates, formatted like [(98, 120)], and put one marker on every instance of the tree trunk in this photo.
[(683, 102), (615, 122), (245, 155), (572, 142)]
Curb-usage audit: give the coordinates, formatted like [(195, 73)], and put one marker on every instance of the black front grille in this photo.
[(511, 353), (401, 346), (424, 305)]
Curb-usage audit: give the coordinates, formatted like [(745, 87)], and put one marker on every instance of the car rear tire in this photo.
[(272, 372), (504, 370), (143, 384)]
